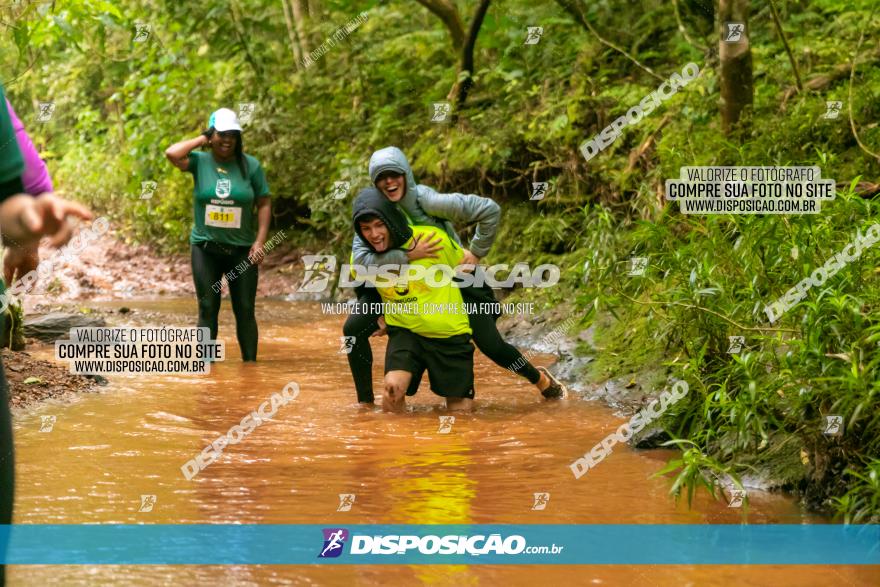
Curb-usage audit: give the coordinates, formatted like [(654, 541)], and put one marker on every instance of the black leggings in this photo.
[(209, 263), (7, 464), (486, 336)]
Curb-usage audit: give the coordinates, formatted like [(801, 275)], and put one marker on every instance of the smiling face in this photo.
[(376, 233), (392, 184), (223, 144)]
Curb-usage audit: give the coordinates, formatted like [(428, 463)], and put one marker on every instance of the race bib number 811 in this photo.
[(223, 216)]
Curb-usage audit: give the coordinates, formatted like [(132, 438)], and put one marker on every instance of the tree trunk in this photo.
[(737, 90), (466, 71), (299, 18), (291, 34), (446, 11)]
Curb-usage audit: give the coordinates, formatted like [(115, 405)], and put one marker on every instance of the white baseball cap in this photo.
[(223, 120)]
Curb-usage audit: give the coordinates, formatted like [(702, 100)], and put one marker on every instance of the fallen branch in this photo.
[(573, 8), (637, 153), (821, 81), (794, 67)]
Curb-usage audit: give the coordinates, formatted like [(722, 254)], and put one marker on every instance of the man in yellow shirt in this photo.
[(428, 328)]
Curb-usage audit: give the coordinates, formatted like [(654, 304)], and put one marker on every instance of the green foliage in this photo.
[(710, 278), (695, 470), (862, 502), (12, 336)]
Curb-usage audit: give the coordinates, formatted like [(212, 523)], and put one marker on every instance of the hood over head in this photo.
[(392, 159), (370, 201)]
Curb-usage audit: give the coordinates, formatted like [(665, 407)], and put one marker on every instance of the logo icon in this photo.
[(45, 111), (833, 426), (147, 189), (733, 31), (319, 270), (334, 540), (147, 503), (141, 32), (541, 501), (224, 188), (638, 265), (347, 344), (246, 112), (832, 109), (346, 500), (533, 35), (446, 423), (736, 344), (47, 423), (737, 496), (441, 111), (539, 190), (341, 189)]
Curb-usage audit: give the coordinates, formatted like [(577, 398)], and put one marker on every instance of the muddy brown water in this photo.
[(107, 449)]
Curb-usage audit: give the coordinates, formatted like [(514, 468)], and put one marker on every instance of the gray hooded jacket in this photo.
[(425, 207)]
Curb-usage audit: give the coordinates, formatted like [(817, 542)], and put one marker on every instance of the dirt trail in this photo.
[(110, 269)]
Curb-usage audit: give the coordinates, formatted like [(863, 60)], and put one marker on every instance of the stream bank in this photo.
[(109, 268)]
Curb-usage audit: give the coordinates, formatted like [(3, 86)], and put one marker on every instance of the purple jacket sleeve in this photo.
[(35, 178)]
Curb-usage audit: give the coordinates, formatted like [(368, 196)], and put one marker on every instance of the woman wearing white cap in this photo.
[(232, 214)]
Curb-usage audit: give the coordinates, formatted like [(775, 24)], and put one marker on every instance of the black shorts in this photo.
[(449, 361)]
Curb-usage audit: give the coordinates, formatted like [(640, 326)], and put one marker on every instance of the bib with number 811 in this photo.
[(223, 216)]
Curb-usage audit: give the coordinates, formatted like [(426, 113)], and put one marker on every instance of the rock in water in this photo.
[(57, 325), (99, 379)]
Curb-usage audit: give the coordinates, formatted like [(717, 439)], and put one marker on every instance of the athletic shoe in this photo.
[(556, 389)]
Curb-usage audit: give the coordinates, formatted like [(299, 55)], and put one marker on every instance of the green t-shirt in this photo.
[(439, 311), (223, 199)]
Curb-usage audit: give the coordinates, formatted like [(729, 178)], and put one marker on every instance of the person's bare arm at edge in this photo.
[(25, 219)]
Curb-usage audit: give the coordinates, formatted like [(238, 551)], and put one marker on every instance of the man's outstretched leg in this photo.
[(459, 404), (450, 363), (396, 384)]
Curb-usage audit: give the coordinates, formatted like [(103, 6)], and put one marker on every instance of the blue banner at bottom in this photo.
[(369, 544)]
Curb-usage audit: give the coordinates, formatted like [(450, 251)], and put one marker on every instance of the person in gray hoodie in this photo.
[(391, 173)]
